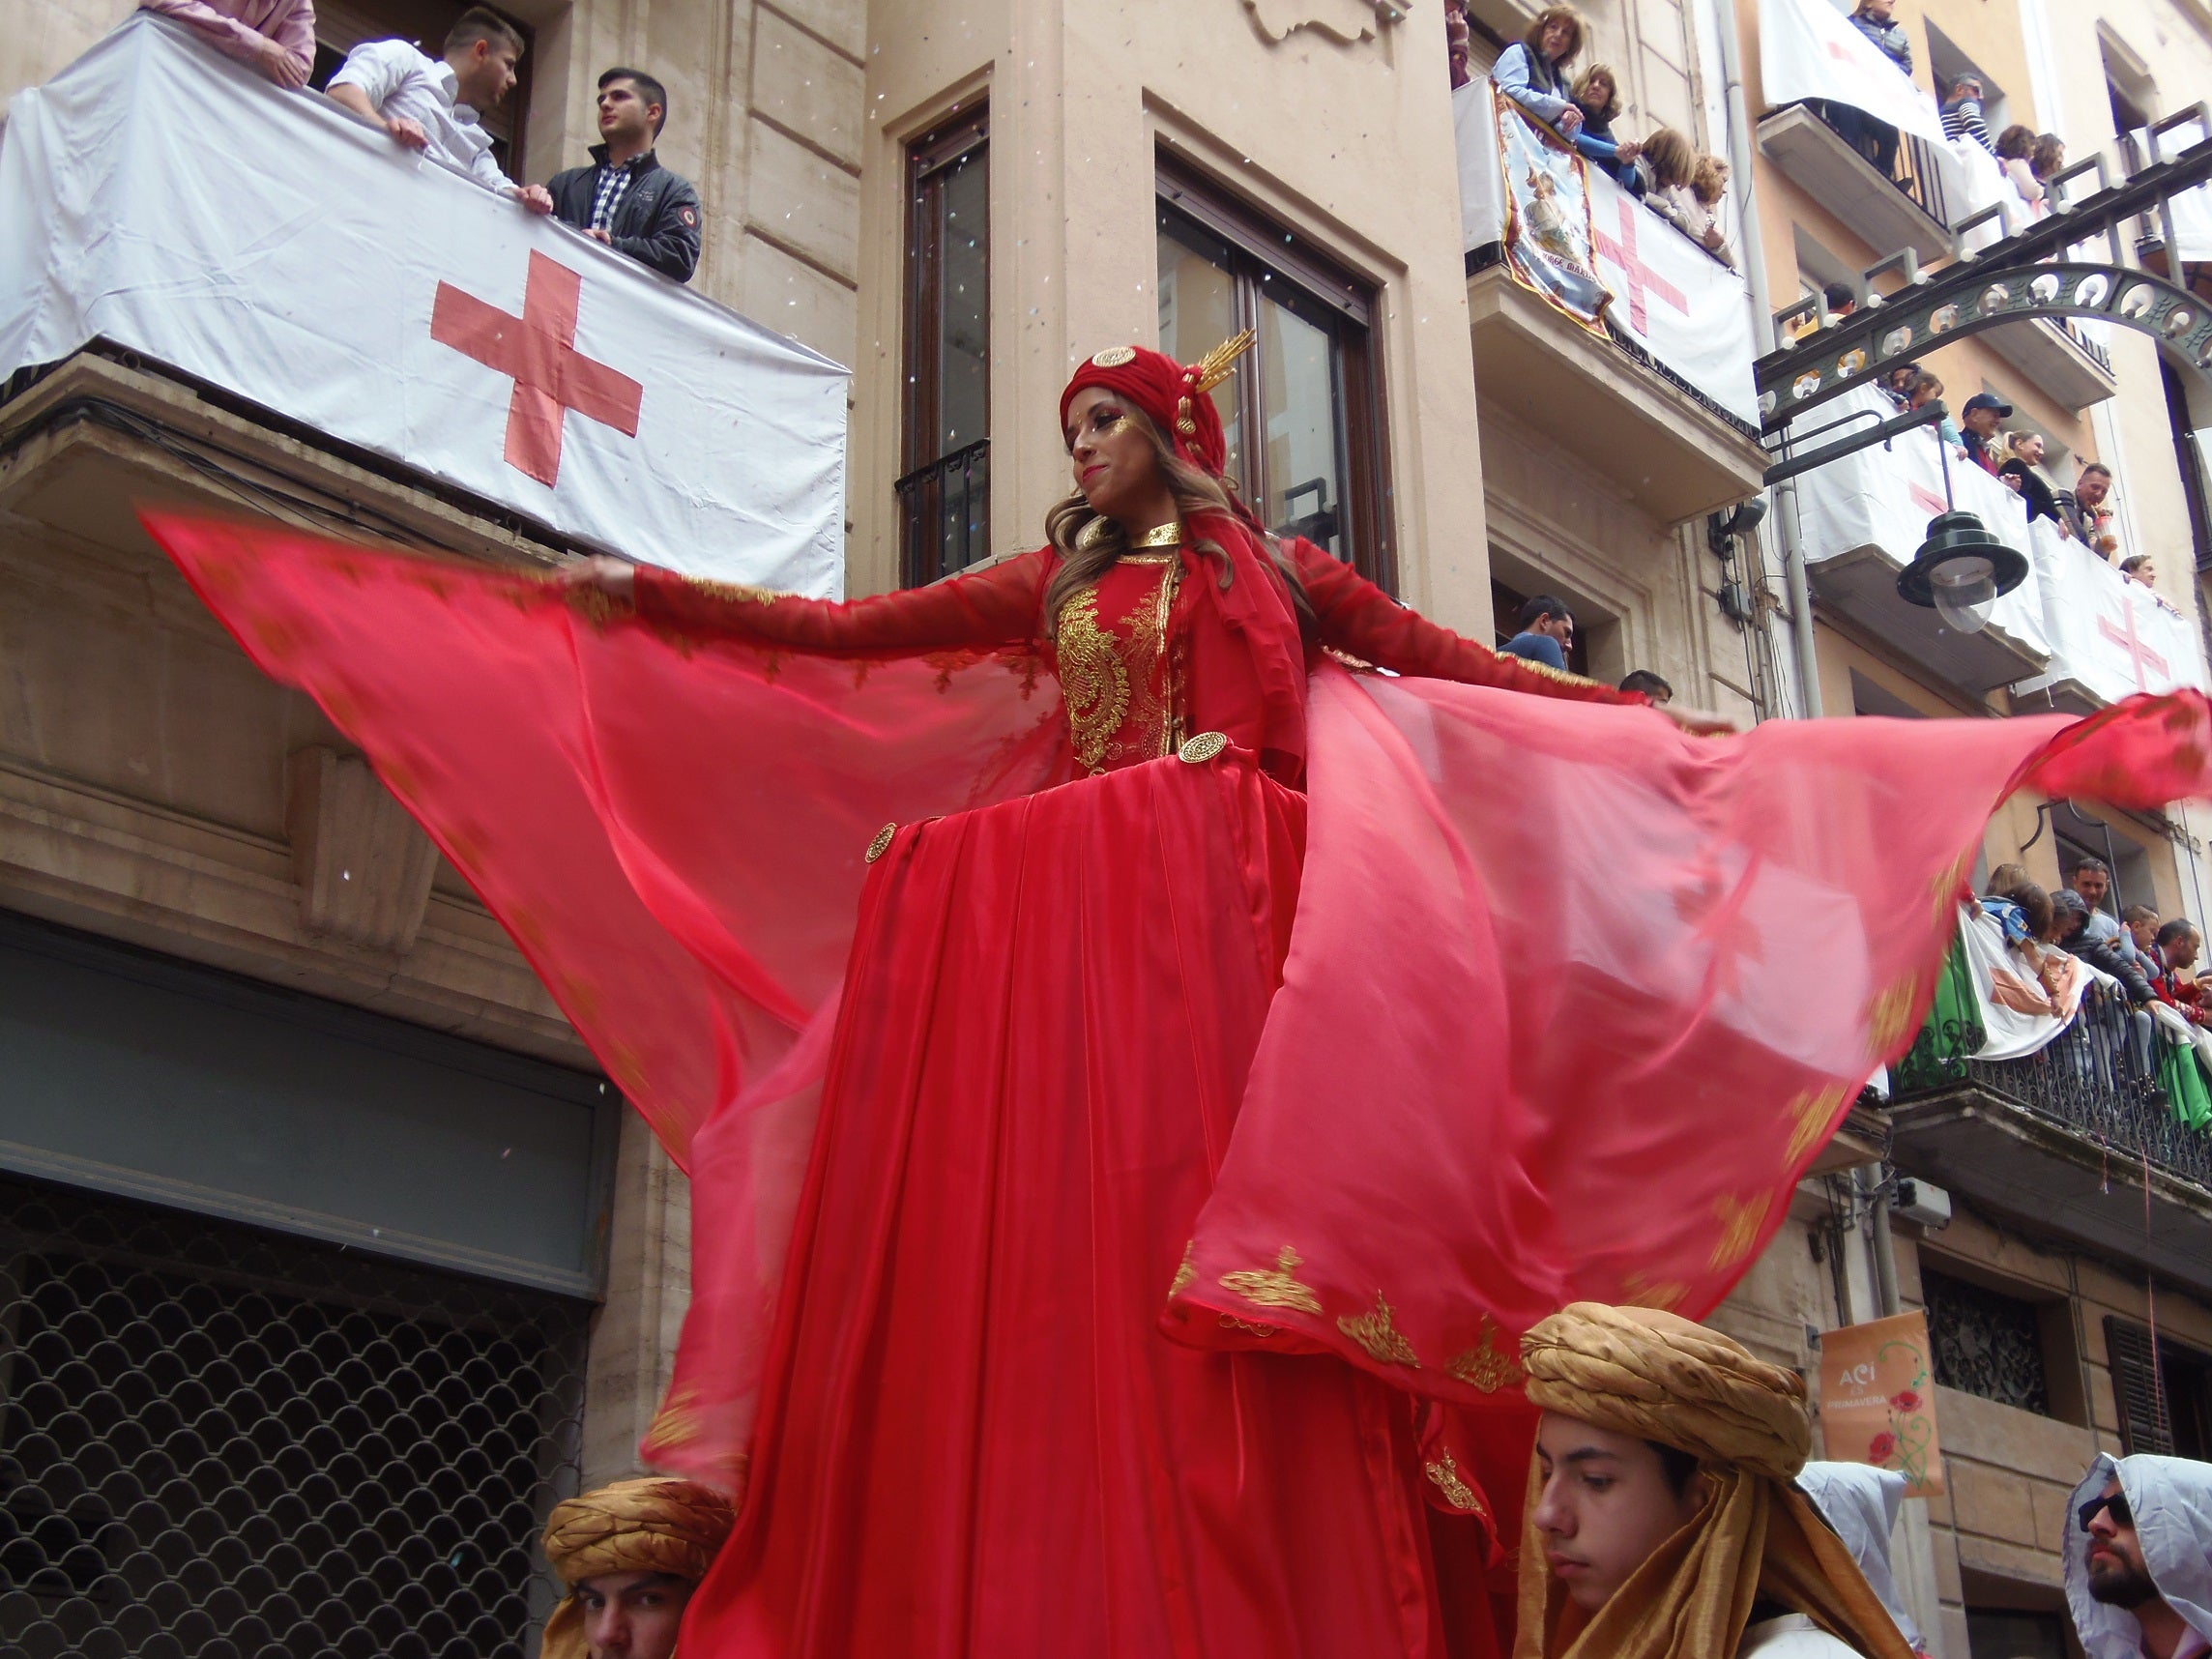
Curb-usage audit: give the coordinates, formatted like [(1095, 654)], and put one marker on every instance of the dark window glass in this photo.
[(2002, 1633), (1302, 412), (945, 488), (1986, 1343)]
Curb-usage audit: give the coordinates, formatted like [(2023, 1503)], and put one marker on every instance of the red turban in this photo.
[(1172, 394)]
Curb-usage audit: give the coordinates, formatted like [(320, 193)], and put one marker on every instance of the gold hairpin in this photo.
[(1217, 365)]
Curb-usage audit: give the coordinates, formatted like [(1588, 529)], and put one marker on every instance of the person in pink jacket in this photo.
[(276, 37)]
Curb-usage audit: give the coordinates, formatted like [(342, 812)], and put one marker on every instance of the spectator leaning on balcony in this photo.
[(626, 198), (1459, 42), (2050, 159), (2016, 155), (1981, 418), (2139, 568), (430, 104), (2086, 509), (1701, 208), (1546, 630), (2139, 931), (1961, 113), (2070, 919), (2173, 953), (1897, 385), (1651, 684), (2092, 884), (1597, 94), (1875, 140), (1532, 71), (276, 37), (2023, 462), (1667, 163)]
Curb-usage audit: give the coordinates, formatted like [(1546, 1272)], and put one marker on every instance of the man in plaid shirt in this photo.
[(626, 198)]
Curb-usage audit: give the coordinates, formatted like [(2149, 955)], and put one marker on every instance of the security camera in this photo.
[(1923, 1203)]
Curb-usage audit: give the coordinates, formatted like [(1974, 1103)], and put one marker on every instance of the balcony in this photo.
[(1864, 516), (2079, 1139), (1908, 210), (1657, 397), (428, 330)]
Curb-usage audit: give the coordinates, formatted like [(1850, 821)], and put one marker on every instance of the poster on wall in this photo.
[(1878, 1400)]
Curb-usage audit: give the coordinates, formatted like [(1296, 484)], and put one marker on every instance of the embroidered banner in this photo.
[(1878, 1400), (1548, 246)]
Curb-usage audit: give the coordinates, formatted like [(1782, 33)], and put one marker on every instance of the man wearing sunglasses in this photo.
[(2138, 1559)]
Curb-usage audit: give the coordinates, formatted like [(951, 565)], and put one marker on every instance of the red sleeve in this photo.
[(1362, 620), (994, 607)]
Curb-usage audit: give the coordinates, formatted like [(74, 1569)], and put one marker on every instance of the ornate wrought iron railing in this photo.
[(944, 515), (2101, 1079)]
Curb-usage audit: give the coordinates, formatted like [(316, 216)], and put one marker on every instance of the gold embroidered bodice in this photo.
[(1121, 663)]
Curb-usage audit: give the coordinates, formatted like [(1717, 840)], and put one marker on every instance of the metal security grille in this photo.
[(216, 1443)]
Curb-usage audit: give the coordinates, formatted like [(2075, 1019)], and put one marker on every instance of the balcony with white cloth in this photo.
[(2111, 637), (1863, 517), (307, 317), (1599, 324)]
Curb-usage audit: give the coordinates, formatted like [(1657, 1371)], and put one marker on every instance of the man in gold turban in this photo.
[(630, 1555), (1662, 1522)]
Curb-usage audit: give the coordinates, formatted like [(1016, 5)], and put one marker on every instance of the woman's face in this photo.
[(1114, 465), (1555, 39), (1598, 91)]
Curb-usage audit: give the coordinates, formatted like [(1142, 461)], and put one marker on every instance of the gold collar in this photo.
[(1167, 534)]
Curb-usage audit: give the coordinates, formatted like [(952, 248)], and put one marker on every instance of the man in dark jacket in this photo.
[(626, 198), (2069, 921)]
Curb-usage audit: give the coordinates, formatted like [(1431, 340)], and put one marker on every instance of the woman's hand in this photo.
[(600, 571), (1701, 722)]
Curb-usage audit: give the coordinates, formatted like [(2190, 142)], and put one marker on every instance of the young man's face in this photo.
[(632, 1616), (1605, 1507), (487, 73), (2090, 489), (2093, 885), (624, 116), (1559, 627)]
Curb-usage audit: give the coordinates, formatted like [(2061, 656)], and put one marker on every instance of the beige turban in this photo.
[(648, 1526), (1638, 1371)]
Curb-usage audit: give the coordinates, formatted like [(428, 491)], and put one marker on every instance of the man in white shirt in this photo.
[(2138, 1559), (430, 105)]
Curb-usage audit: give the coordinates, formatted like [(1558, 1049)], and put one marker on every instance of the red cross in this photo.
[(1640, 277), (1927, 499), (537, 351), (2126, 637)]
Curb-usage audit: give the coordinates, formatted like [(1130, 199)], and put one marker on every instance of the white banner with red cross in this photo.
[(2110, 632), (162, 198), (1690, 312)]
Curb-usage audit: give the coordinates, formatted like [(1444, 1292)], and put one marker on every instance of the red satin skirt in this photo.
[(975, 1441)]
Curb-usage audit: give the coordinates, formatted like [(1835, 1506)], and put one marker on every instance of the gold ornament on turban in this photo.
[(1656, 1375), (646, 1525)]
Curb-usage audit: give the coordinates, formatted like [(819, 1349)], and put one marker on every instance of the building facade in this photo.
[(240, 971)]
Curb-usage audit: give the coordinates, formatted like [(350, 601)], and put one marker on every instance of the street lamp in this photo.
[(1960, 571)]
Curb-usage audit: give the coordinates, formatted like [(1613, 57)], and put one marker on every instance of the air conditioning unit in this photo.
[(1921, 1202)]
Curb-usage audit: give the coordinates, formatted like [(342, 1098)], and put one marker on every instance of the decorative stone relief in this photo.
[(1346, 22)]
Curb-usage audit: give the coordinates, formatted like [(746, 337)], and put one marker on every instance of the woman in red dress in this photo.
[(1101, 1267), (974, 1439)]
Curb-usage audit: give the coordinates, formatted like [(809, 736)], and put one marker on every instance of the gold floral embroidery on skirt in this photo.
[(1382, 1340), (1276, 1288), (1489, 1365)]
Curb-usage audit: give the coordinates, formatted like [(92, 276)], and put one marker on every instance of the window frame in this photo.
[(1259, 247), (929, 161)]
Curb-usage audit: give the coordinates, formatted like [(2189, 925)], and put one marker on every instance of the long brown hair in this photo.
[(1195, 492), (1533, 40), (1673, 161), (1582, 96)]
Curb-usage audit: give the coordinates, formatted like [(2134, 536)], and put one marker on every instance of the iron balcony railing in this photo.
[(944, 515), (2100, 1079)]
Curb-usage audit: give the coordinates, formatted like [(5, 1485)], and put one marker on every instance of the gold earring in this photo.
[(1092, 533)]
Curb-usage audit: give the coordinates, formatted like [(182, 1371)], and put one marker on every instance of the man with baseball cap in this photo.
[(1980, 420)]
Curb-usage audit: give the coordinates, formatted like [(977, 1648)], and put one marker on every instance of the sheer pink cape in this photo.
[(1572, 998)]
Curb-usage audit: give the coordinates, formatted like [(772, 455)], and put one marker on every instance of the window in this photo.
[(1302, 412), (2003, 1633), (1986, 1343), (341, 25), (2165, 1396), (945, 495)]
